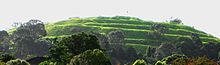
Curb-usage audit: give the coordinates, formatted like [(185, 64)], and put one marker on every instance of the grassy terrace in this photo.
[(135, 29)]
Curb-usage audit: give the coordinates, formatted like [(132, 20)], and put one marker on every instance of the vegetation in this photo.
[(183, 60), (176, 21), (115, 40), (6, 57), (89, 57), (63, 50), (139, 62), (17, 62)]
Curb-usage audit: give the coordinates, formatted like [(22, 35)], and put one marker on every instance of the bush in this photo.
[(17, 62), (6, 57), (49, 62), (64, 50), (180, 61), (160, 63), (169, 59), (176, 21), (89, 57), (139, 62), (201, 61), (2, 63), (177, 59)]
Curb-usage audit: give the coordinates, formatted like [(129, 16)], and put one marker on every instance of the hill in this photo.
[(135, 30)]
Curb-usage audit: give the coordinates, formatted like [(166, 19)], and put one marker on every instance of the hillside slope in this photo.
[(135, 29)]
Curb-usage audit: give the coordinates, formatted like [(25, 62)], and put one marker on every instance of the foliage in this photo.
[(26, 40), (89, 57), (49, 62), (160, 63), (176, 21), (33, 28), (116, 37), (201, 61), (5, 57), (166, 49), (2, 63), (63, 50), (3, 34), (169, 59), (140, 62), (17, 62), (158, 30), (183, 60), (180, 61), (132, 54)]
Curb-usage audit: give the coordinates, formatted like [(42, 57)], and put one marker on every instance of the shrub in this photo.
[(160, 63), (17, 62), (63, 50), (180, 61), (6, 57), (140, 62), (2, 63), (89, 57), (201, 61), (176, 21), (49, 62), (177, 59), (170, 59)]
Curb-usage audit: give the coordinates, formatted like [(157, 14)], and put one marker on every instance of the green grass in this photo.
[(135, 30)]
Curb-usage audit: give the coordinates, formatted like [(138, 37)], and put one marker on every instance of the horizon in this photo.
[(203, 15)]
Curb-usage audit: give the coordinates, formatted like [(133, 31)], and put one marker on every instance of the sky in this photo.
[(201, 14)]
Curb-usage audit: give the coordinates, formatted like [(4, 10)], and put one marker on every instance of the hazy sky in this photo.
[(202, 14)]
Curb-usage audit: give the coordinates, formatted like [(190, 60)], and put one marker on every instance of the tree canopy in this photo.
[(90, 57), (70, 46)]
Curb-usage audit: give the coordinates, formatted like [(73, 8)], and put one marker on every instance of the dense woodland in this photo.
[(118, 40)]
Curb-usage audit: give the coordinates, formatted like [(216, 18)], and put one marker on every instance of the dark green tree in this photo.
[(132, 54), (176, 21), (4, 41), (5, 57), (89, 57), (63, 50), (158, 30), (26, 39)]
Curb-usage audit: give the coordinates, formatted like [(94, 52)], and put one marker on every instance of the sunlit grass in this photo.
[(135, 30)]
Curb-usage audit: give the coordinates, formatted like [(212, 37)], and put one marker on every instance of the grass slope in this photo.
[(135, 29)]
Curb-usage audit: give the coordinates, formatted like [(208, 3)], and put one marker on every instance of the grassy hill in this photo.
[(135, 29)]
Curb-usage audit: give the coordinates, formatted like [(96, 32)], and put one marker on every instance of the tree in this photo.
[(116, 38), (176, 21), (5, 57), (35, 27), (26, 39), (139, 62), (132, 54), (89, 57), (196, 39), (158, 30), (103, 40), (63, 50), (4, 41), (169, 59), (3, 34), (17, 62)]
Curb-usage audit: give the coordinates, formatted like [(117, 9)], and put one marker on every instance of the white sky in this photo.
[(202, 14)]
